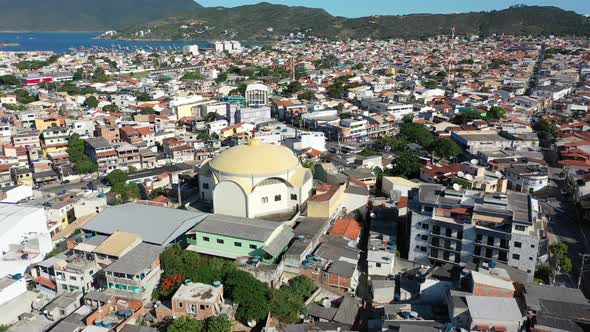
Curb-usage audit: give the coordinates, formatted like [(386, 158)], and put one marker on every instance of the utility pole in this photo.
[(582, 268)]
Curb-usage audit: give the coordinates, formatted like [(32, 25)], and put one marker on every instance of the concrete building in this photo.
[(197, 300), (137, 273), (190, 49), (480, 141), (24, 237), (254, 180), (257, 95), (527, 178), (233, 237), (469, 226)]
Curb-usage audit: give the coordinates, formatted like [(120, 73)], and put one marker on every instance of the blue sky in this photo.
[(356, 8)]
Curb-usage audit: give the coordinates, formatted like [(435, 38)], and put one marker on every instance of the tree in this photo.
[(143, 97), (252, 295), (91, 102), (446, 148), (110, 108), (193, 75), (99, 75), (496, 112), (560, 257), (9, 80), (147, 111), (405, 165), (76, 150), (186, 324), (78, 74), (221, 78), (117, 176), (293, 87), (306, 95), (219, 323), (417, 133), (23, 96)]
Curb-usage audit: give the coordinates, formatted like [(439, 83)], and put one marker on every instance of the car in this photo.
[(65, 181)]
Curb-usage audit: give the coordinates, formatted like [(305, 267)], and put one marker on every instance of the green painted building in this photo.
[(233, 237)]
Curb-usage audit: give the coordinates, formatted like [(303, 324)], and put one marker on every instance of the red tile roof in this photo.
[(349, 228)]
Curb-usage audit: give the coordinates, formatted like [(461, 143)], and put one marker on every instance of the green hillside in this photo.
[(266, 21)]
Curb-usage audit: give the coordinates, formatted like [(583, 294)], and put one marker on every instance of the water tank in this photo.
[(24, 256), (306, 263), (17, 276), (216, 284), (309, 257), (98, 322), (396, 297), (492, 264), (405, 314), (106, 323), (188, 281)]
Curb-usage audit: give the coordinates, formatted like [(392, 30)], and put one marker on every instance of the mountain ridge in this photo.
[(265, 21)]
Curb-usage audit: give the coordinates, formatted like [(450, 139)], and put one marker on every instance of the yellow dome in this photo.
[(255, 158)]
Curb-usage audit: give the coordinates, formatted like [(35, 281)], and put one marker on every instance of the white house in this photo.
[(380, 262)]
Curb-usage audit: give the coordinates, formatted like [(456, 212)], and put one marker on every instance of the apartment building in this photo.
[(102, 153), (468, 226)]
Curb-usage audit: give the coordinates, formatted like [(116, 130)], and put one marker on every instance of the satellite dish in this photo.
[(456, 186), (468, 177), (499, 174), (460, 174), (474, 162)]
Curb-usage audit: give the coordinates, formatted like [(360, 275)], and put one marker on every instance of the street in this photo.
[(564, 227)]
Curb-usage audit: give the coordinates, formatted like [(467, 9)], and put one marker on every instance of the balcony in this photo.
[(484, 244), (444, 236), (443, 247)]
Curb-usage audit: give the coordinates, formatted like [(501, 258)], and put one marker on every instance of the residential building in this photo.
[(470, 226)]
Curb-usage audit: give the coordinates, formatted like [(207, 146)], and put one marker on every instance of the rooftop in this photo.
[(156, 225)]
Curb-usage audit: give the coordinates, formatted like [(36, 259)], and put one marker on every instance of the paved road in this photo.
[(564, 226)]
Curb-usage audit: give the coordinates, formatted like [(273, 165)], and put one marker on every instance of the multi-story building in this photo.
[(469, 226), (110, 133), (137, 273), (350, 130), (103, 154), (527, 178), (26, 139), (128, 155), (55, 139), (257, 95), (130, 135)]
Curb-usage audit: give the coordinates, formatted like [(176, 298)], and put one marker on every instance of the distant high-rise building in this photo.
[(190, 49)]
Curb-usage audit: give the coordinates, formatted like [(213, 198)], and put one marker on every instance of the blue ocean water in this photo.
[(62, 42)]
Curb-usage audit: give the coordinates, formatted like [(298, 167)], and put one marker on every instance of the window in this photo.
[(425, 237), (530, 258), (73, 278), (515, 256), (423, 249), (277, 198), (517, 244), (202, 306), (424, 226), (64, 287), (205, 186), (206, 238), (519, 228), (532, 246), (238, 244), (478, 237), (253, 246), (180, 304), (378, 264), (264, 200), (293, 197), (220, 241)]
